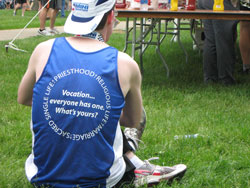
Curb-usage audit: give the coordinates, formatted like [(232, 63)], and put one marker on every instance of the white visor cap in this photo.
[(86, 15)]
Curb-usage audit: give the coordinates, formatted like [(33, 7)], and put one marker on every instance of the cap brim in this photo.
[(81, 28)]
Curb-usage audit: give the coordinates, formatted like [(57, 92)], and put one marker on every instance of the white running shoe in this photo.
[(45, 32), (150, 174), (54, 31)]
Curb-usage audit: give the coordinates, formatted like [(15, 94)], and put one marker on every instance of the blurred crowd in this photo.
[(8, 4)]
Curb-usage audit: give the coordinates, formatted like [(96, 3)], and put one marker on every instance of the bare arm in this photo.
[(25, 90), (37, 62), (130, 79)]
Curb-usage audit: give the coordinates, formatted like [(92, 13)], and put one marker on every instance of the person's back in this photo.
[(78, 111), (79, 92)]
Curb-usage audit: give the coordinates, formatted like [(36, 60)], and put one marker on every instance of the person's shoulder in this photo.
[(127, 63), (41, 51), (44, 47), (47, 43), (125, 58)]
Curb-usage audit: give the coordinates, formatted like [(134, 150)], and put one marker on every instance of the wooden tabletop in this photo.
[(186, 14)]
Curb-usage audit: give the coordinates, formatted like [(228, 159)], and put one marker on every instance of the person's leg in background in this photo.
[(53, 19), (225, 31), (219, 47), (70, 5), (12, 4), (225, 37), (209, 48), (31, 4), (8, 3), (209, 53), (244, 44), (16, 7), (24, 6), (56, 6), (42, 17), (39, 5), (28, 4), (63, 8)]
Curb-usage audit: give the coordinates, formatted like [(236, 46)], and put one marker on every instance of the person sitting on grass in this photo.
[(81, 90)]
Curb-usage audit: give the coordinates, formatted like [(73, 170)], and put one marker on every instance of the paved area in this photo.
[(9, 35)]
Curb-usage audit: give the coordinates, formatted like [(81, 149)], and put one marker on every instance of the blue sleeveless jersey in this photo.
[(77, 103)]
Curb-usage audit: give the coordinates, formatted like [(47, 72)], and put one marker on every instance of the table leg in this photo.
[(179, 39), (133, 38), (141, 40), (126, 35), (158, 47)]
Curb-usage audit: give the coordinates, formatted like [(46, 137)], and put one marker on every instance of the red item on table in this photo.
[(120, 4), (190, 4)]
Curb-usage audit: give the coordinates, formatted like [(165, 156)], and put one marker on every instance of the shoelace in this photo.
[(132, 134), (156, 167), (151, 166)]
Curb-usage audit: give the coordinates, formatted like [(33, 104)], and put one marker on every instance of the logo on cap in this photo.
[(81, 6)]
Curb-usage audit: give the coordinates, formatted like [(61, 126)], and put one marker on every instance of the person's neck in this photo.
[(97, 35), (104, 34), (93, 35)]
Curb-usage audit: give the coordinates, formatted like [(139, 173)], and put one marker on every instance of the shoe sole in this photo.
[(54, 33), (151, 180), (45, 34)]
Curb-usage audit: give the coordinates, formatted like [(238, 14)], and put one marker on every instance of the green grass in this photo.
[(8, 21), (178, 105)]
